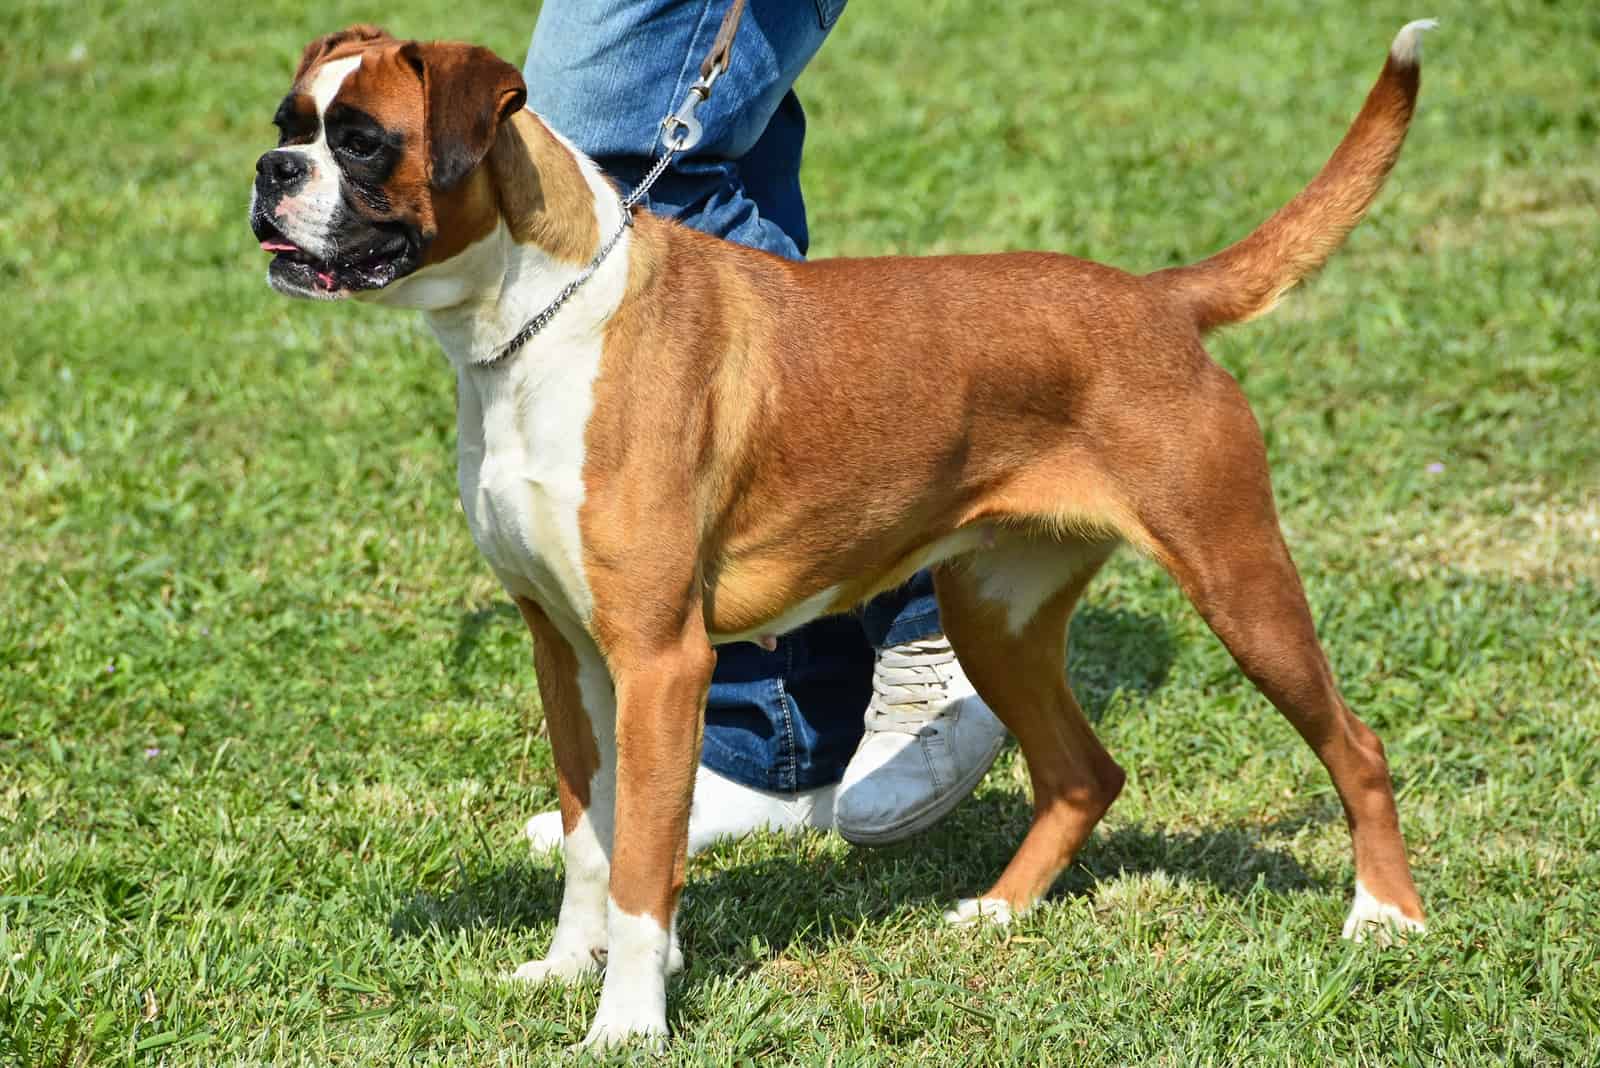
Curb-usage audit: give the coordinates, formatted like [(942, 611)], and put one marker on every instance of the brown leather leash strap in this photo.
[(717, 58), (681, 131)]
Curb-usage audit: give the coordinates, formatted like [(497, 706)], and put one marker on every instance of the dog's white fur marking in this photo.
[(521, 423), (973, 911), (520, 456), (1377, 920), (798, 616), (581, 926), (306, 218), (325, 86), (633, 1002), (1024, 573), (1407, 46)]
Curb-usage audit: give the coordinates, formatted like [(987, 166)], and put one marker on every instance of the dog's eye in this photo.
[(359, 144)]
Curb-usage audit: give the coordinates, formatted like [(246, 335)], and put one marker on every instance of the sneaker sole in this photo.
[(920, 821)]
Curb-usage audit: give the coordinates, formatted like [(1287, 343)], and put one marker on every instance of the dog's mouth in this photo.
[(370, 264)]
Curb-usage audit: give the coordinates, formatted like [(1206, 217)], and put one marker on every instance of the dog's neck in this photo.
[(506, 284), (555, 211)]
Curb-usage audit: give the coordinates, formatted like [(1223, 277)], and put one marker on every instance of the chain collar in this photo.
[(542, 320)]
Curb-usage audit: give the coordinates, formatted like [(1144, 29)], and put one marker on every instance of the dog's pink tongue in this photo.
[(277, 246)]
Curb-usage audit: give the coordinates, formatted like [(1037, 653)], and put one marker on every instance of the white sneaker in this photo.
[(929, 741), (722, 809)]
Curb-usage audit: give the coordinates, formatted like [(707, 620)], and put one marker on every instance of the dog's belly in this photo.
[(764, 598), (791, 618)]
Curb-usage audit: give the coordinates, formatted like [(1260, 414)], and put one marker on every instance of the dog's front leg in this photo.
[(661, 683), (580, 718)]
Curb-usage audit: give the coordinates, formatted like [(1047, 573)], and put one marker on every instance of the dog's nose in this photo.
[(282, 170)]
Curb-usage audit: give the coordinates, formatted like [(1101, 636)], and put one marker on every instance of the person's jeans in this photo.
[(603, 73)]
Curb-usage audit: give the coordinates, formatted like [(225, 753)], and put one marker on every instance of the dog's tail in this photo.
[(1246, 279)]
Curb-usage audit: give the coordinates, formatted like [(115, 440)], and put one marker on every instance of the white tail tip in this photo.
[(1407, 47)]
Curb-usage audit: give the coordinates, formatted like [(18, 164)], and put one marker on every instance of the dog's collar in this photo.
[(542, 320), (680, 132)]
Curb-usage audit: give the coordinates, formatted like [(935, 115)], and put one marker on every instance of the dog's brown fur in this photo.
[(750, 449)]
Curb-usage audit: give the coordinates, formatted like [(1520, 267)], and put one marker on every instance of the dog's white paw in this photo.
[(609, 1030), (972, 911), (565, 968), (1377, 920), (545, 832)]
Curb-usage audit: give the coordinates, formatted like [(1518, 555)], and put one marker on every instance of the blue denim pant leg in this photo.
[(903, 615), (603, 74)]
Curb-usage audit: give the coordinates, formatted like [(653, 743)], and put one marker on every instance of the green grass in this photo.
[(268, 730)]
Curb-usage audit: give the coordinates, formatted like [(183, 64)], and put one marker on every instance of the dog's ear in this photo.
[(357, 35), (467, 92), (541, 190)]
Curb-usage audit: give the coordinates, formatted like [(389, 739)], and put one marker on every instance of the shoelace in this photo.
[(909, 685)]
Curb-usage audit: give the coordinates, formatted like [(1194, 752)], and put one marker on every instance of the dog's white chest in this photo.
[(520, 471)]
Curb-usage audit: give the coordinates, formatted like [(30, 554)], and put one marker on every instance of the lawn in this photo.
[(269, 730)]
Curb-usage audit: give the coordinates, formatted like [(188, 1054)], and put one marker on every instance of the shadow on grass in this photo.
[(1230, 859), (1111, 650), (513, 896), (470, 631), (823, 898), (815, 896), (472, 625)]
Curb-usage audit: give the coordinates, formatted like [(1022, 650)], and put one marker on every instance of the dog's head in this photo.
[(376, 173)]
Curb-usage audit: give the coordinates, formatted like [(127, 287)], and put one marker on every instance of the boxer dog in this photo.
[(668, 442)]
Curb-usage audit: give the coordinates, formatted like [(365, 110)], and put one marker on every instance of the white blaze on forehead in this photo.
[(325, 85)]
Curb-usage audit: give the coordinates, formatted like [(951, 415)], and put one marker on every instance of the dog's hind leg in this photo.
[(1211, 522), (1006, 612)]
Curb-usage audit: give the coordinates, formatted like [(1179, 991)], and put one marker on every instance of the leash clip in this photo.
[(681, 131)]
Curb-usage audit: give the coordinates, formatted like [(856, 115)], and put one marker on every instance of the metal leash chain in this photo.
[(680, 132), (644, 185)]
